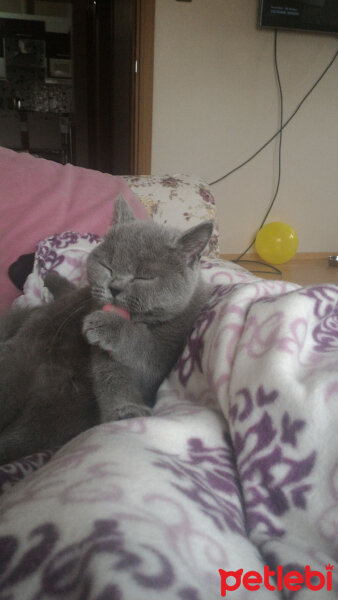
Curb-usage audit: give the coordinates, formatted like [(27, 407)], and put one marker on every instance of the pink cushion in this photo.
[(39, 198)]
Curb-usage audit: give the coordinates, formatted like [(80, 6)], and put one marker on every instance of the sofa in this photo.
[(231, 485)]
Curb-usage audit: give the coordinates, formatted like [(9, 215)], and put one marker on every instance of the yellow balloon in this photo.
[(276, 243)]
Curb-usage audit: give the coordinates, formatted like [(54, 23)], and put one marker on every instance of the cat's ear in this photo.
[(123, 213), (192, 242)]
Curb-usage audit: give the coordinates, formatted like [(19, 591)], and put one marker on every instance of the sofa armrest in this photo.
[(178, 200)]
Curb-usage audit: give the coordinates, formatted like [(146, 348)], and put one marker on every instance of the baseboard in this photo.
[(298, 256)]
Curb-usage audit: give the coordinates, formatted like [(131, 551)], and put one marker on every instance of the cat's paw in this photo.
[(94, 326), (97, 327)]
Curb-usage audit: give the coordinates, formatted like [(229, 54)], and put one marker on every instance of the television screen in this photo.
[(310, 15)]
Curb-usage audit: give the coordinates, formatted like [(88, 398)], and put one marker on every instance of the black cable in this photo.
[(258, 262), (279, 146), (279, 132), (281, 115), (283, 126)]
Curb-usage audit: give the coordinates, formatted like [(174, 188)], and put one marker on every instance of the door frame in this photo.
[(143, 87)]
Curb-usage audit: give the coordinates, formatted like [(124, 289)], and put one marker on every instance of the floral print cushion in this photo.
[(178, 200)]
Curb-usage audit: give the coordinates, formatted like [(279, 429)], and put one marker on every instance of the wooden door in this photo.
[(113, 62)]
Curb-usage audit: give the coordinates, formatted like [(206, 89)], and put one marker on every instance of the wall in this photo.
[(216, 101)]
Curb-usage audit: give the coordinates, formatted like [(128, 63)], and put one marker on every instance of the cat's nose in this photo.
[(117, 285), (115, 290)]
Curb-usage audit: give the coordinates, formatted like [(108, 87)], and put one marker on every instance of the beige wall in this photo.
[(216, 101)]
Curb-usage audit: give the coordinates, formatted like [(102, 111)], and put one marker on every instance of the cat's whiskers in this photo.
[(80, 307)]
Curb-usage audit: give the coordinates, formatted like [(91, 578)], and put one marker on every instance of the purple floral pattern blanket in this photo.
[(236, 469)]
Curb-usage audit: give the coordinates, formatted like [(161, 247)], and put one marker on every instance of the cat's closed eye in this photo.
[(145, 278), (107, 267)]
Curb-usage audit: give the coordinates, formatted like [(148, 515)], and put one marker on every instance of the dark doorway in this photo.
[(36, 108), (94, 82), (104, 65)]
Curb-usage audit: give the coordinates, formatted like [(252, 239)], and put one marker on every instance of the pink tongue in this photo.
[(118, 310)]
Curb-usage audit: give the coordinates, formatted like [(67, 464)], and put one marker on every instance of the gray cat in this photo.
[(99, 353)]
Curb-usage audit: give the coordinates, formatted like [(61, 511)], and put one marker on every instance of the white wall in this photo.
[(216, 102)]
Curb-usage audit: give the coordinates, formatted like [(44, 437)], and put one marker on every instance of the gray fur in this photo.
[(69, 365)]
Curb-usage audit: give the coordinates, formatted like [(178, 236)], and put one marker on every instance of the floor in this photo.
[(304, 269)]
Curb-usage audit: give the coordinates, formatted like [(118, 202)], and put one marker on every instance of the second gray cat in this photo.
[(69, 365)]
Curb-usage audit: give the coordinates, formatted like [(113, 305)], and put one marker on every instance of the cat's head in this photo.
[(150, 270)]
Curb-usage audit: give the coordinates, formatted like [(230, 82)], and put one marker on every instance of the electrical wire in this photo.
[(279, 132), (283, 127), (281, 116)]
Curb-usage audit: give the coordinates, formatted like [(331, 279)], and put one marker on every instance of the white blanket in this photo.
[(237, 469)]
